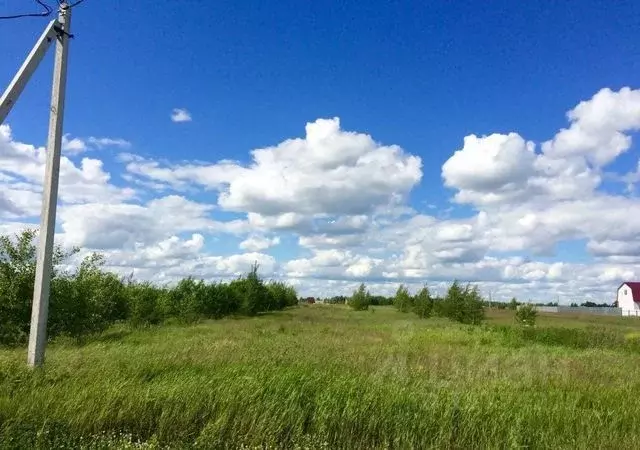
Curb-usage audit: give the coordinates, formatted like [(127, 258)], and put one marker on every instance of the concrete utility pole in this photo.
[(40, 307), (58, 30)]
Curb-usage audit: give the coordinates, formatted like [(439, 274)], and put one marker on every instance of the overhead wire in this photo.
[(47, 10), (45, 13)]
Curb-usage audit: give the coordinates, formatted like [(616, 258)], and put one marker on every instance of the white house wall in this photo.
[(625, 299)]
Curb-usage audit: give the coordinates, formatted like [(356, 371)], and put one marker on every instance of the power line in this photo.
[(45, 13), (47, 10)]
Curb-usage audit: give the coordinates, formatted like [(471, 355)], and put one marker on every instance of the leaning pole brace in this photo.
[(58, 30)]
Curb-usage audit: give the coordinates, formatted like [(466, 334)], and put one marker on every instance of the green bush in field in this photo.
[(361, 299), (473, 311), (186, 301), (80, 303), (513, 304), (17, 271), (526, 315), (87, 301), (453, 303), (220, 300), (463, 305), (282, 295), (252, 293), (423, 303), (402, 300), (144, 302)]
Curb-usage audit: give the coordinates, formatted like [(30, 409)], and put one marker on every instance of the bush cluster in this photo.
[(88, 299), (461, 304), (361, 299), (526, 315), (403, 301), (423, 303)]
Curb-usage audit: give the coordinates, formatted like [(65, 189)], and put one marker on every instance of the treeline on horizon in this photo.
[(381, 300), (460, 304), (89, 300)]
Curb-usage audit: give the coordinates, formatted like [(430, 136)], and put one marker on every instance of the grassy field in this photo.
[(326, 377)]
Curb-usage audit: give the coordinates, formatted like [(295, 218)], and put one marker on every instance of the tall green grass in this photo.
[(325, 377)]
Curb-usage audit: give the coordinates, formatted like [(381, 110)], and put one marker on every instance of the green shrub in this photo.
[(381, 300), (423, 303), (402, 300), (220, 300), (252, 293), (282, 295), (462, 305), (87, 301), (526, 315), (186, 301), (361, 299), (144, 303), (17, 273)]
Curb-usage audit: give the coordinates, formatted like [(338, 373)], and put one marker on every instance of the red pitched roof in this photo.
[(635, 289)]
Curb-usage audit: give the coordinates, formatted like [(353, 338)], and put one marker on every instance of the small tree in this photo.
[(462, 305), (143, 303), (361, 299), (526, 315), (453, 302), (473, 306), (252, 293), (282, 294), (403, 301), (17, 272), (513, 304), (87, 301), (423, 303), (186, 301), (221, 300)]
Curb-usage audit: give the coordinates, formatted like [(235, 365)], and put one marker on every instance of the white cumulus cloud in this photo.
[(180, 115), (342, 199), (330, 171), (256, 243), (598, 127), (76, 145)]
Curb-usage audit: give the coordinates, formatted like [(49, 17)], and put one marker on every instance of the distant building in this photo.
[(628, 298)]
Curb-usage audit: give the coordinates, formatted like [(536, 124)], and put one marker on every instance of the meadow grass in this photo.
[(326, 377)]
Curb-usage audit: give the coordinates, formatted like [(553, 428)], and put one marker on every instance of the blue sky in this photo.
[(419, 75)]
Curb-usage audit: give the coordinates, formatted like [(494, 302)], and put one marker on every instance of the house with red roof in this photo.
[(629, 298)]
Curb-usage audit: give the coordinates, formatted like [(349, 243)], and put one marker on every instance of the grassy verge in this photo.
[(320, 376)]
